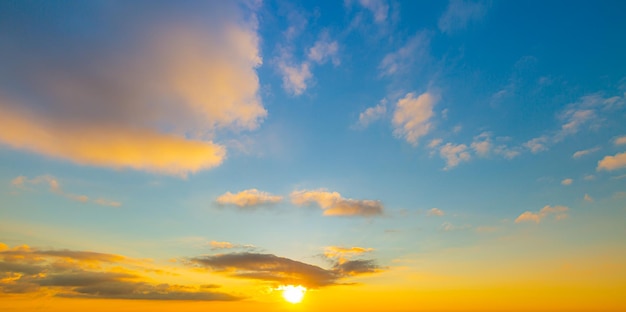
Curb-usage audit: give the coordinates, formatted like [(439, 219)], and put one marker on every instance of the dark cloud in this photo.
[(86, 274), (271, 268)]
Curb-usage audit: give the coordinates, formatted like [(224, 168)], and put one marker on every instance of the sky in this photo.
[(379, 154)]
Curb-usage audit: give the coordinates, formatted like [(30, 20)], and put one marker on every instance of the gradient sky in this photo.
[(386, 155)]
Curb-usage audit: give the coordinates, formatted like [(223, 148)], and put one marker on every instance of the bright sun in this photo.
[(293, 294)]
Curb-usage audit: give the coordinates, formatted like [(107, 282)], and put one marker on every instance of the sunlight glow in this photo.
[(293, 294)]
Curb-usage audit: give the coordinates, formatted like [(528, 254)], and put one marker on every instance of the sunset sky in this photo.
[(383, 155)]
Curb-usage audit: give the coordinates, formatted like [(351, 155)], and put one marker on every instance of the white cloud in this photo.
[(248, 198), (416, 49), (559, 212), (610, 163), (460, 13), (454, 154), (372, 114), (412, 116), (582, 153), (435, 212), (567, 181), (334, 205)]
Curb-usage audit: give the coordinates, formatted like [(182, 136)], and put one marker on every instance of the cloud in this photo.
[(215, 245), (342, 254), (482, 144), (454, 154), (582, 153), (334, 205), (610, 163), (280, 270), (588, 198), (567, 181), (415, 50), (145, 93), (324, 49), (87, 274), (295, 77), (248, 198), (460, 13), (537, 145), (620, 140), (559, 212), (435, 212), (372, 114), (412, 115), (21, 182), (378, 8), (447, 226)]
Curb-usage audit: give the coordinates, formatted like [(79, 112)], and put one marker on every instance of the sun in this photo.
[(293, 294)]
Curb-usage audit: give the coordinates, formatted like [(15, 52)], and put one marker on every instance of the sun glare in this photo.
[(293, 294)]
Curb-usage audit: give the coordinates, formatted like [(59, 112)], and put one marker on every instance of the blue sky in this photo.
[(409, 127)]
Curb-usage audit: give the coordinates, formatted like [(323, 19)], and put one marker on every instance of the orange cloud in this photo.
[(610, 163), (334, 205), (560, 213), (247, 198), (342, 254), (412, 116), (154, 105)]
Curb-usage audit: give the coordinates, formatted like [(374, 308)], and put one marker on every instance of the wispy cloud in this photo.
[(588, 198), (334, 205), (343, 254), (22, 182), (567, 181), (295, 76), (581, 153), (415, 50), (324, 49), (559, 212), (378, 8), (435, 212), (454, 154), (371, 114), (248, 198), (461, 13), (620, 140)]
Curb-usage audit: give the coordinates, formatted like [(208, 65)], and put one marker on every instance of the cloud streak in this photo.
[(248, 198), (559, 212)]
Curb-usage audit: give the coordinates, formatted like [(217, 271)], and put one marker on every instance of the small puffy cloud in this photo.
[(415, 50), (248, 198), (537, 145), (435, 212), (334, 205), (434, 143), (295, 77), (460, 13), (220, 245), (144, 93), (412, 116), (482, 144), (21, 182), (559, 212), (610, 163), (454, 154), (280, 270), (582, 153), (588, 198), (372, 114), (323, 50), (567, 181), (620, 140)]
